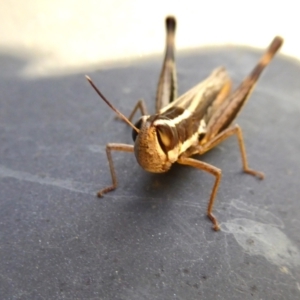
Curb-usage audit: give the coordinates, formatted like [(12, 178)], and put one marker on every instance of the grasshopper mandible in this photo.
[(192, 124)]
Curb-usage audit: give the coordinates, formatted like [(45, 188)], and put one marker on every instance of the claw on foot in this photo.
[(216, 227), (100, 194), (104, 191), (258, 174)]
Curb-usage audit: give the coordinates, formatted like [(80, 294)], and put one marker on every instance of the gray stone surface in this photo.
[(149, 239)]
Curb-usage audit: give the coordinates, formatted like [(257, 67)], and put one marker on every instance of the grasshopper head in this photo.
[(156, 144)]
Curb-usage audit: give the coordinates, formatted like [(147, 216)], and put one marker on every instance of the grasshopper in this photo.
[(192, 124)]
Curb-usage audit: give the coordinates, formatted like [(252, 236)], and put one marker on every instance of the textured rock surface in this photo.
[(149, 239)]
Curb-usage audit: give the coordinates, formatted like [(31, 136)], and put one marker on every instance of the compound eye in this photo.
[(167, 137), (138, 125)]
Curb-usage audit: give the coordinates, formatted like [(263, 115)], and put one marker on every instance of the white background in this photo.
[(64, 36)]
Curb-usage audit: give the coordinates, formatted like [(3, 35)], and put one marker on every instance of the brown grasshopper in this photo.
[(192, 124)]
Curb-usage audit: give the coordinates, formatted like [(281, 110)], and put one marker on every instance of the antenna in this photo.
[(110, 105)]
